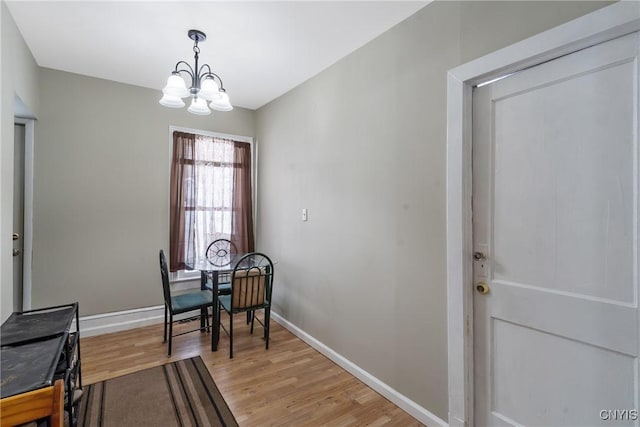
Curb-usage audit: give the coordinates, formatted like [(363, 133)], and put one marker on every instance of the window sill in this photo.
[(175, 279)]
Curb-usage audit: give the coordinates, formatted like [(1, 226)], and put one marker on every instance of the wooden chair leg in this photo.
[(57, 415)]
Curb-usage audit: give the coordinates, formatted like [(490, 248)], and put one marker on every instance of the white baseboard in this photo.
[(408, 405), (99, 324), (116, 321), (106, 323)]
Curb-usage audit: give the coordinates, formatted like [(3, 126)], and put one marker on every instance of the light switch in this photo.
[(304, 215)]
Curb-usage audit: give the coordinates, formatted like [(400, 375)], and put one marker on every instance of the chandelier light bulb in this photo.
[(209, 89), (222, 103), (176, 86), (199, 106), (171, 101)]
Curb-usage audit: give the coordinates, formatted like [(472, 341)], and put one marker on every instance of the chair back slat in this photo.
[(249, 288)]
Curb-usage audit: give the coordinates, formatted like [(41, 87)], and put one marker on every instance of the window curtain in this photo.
[(182, 198), (214, 191), (242, 217), (210, 196)]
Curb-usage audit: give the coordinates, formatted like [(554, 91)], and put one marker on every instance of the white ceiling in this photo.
[(260, 49)]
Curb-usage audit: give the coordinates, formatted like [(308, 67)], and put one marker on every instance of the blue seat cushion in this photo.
[(225, 300), (191, 300)]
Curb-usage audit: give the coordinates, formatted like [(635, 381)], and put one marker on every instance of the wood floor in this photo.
[(289, 384)]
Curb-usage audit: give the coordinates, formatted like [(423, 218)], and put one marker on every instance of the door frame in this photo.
[(597, 27), (27, 238)]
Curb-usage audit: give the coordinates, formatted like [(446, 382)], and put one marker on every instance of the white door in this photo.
[(18, 214), (555, 212)]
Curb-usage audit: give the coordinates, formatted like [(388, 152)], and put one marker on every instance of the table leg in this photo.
[(203, 312), (214, 320)]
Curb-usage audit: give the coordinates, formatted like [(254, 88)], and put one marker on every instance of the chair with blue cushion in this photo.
[(182, 303), (251, 289)]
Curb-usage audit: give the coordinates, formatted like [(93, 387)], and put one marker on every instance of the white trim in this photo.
[(239, 138), (403, 402), (116, 321), (591, 29), (105, 323), (605, 24), (459, 239), (254, 190), (27, 237), (184, 275), (185, 285)]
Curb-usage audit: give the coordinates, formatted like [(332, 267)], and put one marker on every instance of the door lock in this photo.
[(482, 288), (479, 256), (16, 236), (16, 252)]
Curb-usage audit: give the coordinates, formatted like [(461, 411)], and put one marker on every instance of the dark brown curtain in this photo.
[(242, 210), (181, 204)]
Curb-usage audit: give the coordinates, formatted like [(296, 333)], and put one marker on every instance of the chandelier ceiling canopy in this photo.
[(206, 86)]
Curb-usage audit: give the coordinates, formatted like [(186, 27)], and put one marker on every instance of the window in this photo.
[(211, 195)]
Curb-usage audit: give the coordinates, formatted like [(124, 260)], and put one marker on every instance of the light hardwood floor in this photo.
[(291, 384)]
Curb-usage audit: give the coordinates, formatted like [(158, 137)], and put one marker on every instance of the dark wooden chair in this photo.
[(251, 290), (182, 303)]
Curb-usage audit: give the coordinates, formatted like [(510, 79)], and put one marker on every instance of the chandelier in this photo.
[(204, 87)]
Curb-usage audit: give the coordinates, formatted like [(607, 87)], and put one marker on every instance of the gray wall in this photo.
[(362, 147), (101, 190), (19, 77)]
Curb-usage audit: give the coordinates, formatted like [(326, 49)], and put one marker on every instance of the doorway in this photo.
[(19, 134), (555, 220), (470, 267), (23, 210)]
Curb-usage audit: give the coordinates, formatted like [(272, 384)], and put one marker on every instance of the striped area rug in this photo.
[(176, 394)]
